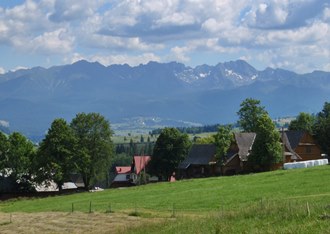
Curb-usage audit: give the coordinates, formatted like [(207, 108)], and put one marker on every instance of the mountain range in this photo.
[(30, 99)]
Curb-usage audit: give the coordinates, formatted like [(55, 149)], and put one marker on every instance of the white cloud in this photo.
[(296, 58), (319, 31), (326, 67), (267, 15), (211, 25), (19, 68), (273, 31), (179, 54), (58, 41), (126, 59), (75, 57), (4, 123), (176, 18), (276, 14), (326, 14), (20, 24), (68, 10), (107, 60)]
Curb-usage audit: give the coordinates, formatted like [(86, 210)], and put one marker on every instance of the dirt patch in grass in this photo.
[(57, 222)]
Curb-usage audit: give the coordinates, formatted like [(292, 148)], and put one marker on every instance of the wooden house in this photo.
[(235, 161), (130, 175), (299, 146), (200, 162)]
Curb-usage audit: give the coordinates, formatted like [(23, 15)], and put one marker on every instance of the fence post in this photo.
[(289, 206), (109, 208), (221, 210), (308, 210), (173, 210), (72, 208), (90, 207), (135, 208)]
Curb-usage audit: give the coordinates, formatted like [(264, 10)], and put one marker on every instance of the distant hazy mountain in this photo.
[(31, 99)]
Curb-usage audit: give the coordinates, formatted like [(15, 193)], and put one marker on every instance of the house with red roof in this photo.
[(131, 175)]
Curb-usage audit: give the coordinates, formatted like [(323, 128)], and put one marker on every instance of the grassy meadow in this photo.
[(293, 201)]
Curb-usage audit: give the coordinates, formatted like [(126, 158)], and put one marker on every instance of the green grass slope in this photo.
[(293, 201), (197, 194)]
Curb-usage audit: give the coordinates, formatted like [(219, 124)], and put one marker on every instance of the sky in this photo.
[(288, 34)]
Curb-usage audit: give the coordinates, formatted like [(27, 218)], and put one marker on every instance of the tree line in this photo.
[(83, 146), (191, 130)]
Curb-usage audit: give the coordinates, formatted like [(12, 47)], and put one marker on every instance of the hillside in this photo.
[(171, 92), (296, 201)]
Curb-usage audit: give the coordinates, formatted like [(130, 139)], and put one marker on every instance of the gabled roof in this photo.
[(291, 140), (123, 170), (294, 137), (244, 141), (140, 163), (199, 155)]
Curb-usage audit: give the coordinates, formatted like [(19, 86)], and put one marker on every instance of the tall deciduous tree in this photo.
[(56, 155), (17, 156), (170, 149), (4, 147), (266, 149), (304, 121), (249, 114), (223, 139), (321, 128), (94, 134)]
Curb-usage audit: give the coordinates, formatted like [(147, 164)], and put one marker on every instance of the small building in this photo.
[(300, 146), (131, 175), (123, 177), (200, 162), (235, 161), (51, 186)]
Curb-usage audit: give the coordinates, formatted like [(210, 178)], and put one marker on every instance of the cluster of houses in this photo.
[(201, 161), (298, 146)]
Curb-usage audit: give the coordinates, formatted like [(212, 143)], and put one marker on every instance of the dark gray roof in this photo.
[(291, 140), (244, 141), (294, 137), (229, 156), (199, 155)]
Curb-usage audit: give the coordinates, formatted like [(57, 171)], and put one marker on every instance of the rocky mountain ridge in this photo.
[(30, 99)]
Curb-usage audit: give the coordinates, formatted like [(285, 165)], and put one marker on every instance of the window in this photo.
[(308, 149)]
